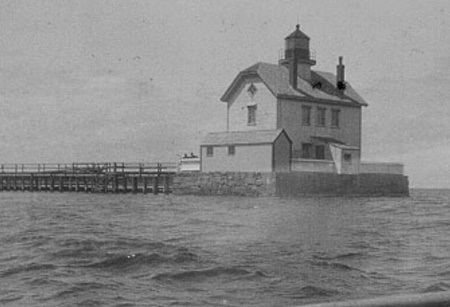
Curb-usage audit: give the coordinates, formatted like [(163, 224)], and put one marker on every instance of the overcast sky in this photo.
[(106, 80)]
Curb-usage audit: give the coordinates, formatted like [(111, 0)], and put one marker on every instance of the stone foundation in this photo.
[(218, 183), (291, 184), (305, 184)]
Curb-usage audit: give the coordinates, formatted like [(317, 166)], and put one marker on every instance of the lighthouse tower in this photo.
[(297, 56)]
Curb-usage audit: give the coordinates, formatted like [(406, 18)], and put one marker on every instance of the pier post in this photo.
[(155, 184), (115, 186), (61, 183), (135, 184), (52, 183), (166, 184), (125, 183), (144, 185), (31, 182)]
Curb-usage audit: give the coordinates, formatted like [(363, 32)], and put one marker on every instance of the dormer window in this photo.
[(251, 115)]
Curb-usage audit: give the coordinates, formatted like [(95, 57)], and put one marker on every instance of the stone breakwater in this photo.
[(290, 184), (220, 183)]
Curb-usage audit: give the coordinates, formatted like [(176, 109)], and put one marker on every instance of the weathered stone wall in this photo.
[(291, 184), (225, 183), (304, 184)]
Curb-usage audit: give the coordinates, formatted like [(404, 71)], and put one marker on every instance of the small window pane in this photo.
[(306, 115), (335, 118), (251, 115), (209, 151), (306, 151), (321, 118), (348, 158), (231, 150), (320, 152)]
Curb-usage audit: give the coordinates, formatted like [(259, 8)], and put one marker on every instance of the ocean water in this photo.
[(70, 249)]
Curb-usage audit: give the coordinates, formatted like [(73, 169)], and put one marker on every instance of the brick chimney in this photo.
[(340, 75), (293, 71)]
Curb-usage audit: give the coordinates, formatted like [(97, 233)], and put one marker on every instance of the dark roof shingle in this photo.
[(276, 78)]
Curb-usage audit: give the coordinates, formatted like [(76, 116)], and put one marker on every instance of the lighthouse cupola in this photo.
[(297, 56)]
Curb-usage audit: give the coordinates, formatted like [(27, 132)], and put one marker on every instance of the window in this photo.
[(209, 151), (231, 150), (297, 154), (306, 115), (335, 118), (320, 152), (251, 115), (321, 118), (306, 150), (348, 158)]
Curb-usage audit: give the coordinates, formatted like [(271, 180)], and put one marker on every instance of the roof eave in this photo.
[(235, 144), (349, 103), (229, 92)]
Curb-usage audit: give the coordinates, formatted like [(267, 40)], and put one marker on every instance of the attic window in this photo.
[(252, 90)]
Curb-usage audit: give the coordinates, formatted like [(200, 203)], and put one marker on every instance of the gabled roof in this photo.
[(276, 78), (243, 137)]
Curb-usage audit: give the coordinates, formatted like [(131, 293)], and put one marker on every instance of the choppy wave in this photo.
[(119, 250), (139, 260), (27, 268), (311, 291), (207, 274)]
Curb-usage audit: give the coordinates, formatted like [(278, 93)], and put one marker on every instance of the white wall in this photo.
[(266, 113), (381, 168), (316, 166), (247, 158)]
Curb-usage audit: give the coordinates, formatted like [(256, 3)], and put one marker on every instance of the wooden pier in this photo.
[(89, 177)]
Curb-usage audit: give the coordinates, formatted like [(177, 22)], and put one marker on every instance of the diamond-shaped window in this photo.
[(252, 90)]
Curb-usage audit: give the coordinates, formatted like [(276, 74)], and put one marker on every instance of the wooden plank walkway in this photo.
[(89, 177)]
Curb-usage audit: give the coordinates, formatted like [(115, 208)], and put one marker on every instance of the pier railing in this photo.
[(88, 177), (88, 168)]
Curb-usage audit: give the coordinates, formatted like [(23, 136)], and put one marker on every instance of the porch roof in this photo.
[(243, 137), (335, 142)]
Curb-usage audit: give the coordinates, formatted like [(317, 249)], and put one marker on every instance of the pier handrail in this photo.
[(89, 167), (433, 299)]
